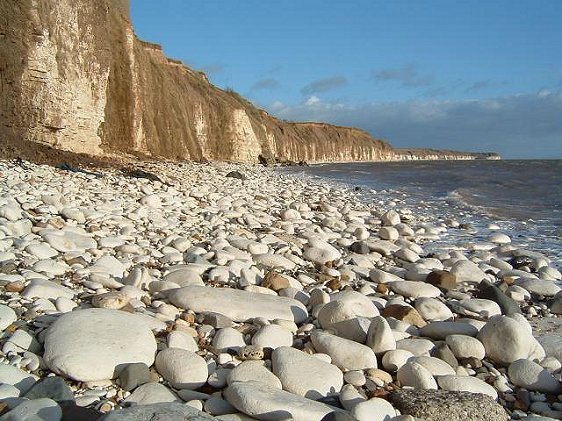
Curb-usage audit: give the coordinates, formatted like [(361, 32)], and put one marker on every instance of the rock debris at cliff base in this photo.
[(205, 295)]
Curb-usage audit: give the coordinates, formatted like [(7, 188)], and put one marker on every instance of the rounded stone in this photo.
[(253, 371), (530, 375), (480, 307), (183, 369), (466, 346), (467, 271), (467, 384), (228, 338), (432, 309), (94, 344), (272, 336), (499, 238), (218, 406), (379, 336), (539, 286), (417, 346), (344, 353), (390, 218), (507, 340), (14, 376), (435, 366), (259, 401), (355, 377), (238, 305), (321, 252), (440, 330), (375, 409), (388, 233), (393, 360), (44, 409), (7, 316), (150, 393), (414, 289), (304, 374), (416, 375)]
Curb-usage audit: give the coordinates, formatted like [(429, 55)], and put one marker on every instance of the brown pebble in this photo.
[(105, 407), (275, 281), (188, 317), (508, 280), (382, 289), (519, 404), (16, 286), (442, 279), (334, 284), (405, 313), (377, 393)]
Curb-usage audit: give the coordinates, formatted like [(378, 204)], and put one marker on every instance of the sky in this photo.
[(465, 75)]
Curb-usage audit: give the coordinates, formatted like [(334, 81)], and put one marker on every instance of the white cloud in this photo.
[(515, 126), (312, 101), (276, 106)]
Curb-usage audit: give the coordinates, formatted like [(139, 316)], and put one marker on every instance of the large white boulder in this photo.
[(345, 354), (266, 403), (182, 368), (94, 344), (531, 376), (238, 305), (304, 374), (507, 339)]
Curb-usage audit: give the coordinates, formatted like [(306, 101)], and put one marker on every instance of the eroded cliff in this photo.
[(74, 76)]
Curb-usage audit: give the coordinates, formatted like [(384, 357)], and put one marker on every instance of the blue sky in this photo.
[(468, 75)]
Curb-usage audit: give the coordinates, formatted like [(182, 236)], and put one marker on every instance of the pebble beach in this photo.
[(233, 292)]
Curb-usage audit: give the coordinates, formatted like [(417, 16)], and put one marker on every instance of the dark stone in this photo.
[(54, 388), (524, 398), (443, 352), (73, 412), (172, 411), (521, 261), (8, 266), (332, 400), (71, 168), (266, 161), (443, 405), (555, 305), (134, 375), (236, 174), (491, 292), (442, 279), (472, 362), (465, 226), (338, 416), (360, 247), (217, 320), (142, 174)]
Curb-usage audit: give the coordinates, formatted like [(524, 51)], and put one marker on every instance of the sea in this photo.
[(522, 197)]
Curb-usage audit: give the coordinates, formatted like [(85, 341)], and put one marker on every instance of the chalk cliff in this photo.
[(74, 76)]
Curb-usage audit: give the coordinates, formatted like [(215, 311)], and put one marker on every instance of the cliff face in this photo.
[(74, 76)]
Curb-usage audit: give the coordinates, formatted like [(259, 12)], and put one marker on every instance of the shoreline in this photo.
[(443, 201), (357, 277)]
